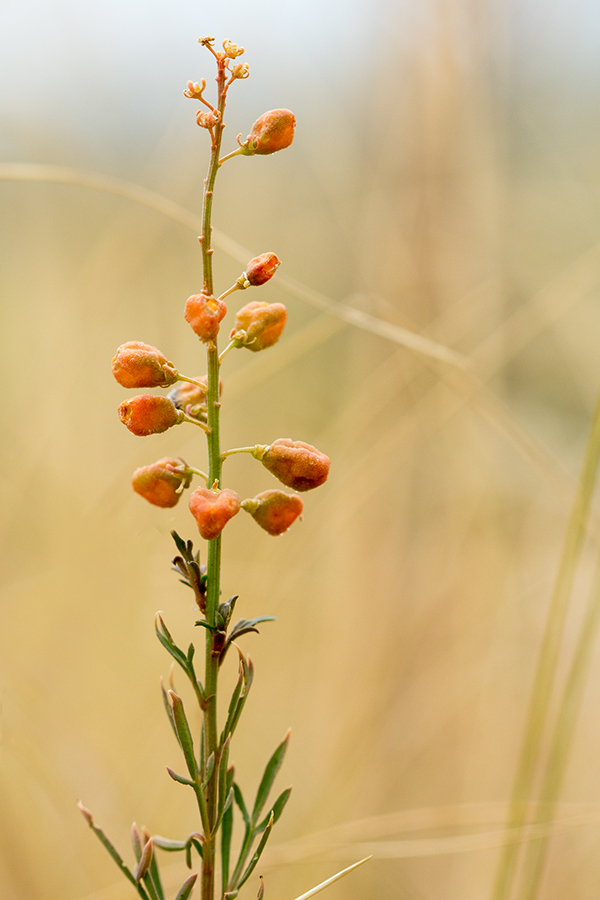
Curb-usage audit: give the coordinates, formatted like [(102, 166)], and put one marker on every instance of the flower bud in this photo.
[(232, 50), (262, 268), (259, 325), (297, 465), (162, 482), (274, 511), (204, 313), (273, 131), (138, 365), (212, 510), (147, 414)]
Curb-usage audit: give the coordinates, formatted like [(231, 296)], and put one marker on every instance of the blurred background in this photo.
[(445, 179)]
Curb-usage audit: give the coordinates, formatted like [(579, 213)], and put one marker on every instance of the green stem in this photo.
[(213, 567), (256, 448), (548, 659)]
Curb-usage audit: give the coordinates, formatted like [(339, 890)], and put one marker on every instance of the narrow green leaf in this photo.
[(226, 834), (210, 766), (225, 734), (187, 887), (155, 876), (205, 624), (257, 854), (196, 842), (227, 805), (271, 770), (179, 778), (168, 709), (112, 850), (149, 884), (239, 799), (164, 636), (181, 545), (136, 842), (167, 844), (190, 653), (222, 777), (248, 673), (184, 734), (278, 808)]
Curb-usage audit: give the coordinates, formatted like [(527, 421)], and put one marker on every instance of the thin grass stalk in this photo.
[(548, 658), (558, 757)]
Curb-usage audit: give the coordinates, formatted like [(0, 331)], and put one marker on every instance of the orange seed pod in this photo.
[(298, 465), (262, 268), (138, 365), (204, 313), (272, 131), (274, 511), (212, 510), (162, 482), (147, 414), (259, 325)]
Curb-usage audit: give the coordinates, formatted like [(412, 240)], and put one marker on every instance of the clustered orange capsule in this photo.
[(147, 414), (272, 131), (274, 510), (212, 510), (162, 482), (262, 268), (205, 313), (298, 465), (137, 365), (259, 325)]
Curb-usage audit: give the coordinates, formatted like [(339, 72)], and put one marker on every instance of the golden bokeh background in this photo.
[(445, 179)]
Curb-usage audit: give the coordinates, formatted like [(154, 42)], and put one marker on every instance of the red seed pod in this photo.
[(273, 131), (147, 414), (212, 510), (274, 511), (297, 465), (262, 268), (162, 482), (204, 313), (259, 325), (138, 365)]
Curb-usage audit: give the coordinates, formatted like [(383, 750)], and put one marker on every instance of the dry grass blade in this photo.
[(334, 878), (130, 191)]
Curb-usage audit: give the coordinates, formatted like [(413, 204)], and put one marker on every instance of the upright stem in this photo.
[(213, 569)]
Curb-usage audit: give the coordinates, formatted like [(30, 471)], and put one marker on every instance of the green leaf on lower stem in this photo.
[(226, 834), (167, 844), (113, 852), (155, 877), (179, 778), (227, 805), (187, 887), (276, 811), (167, 706), (183, 733), (257, 854), (222, 774), (270, 773), (239, 799)]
